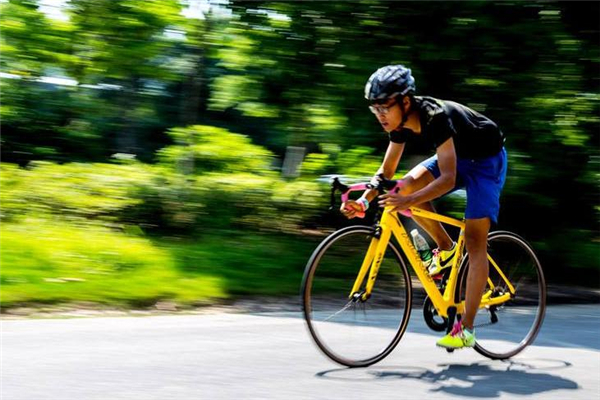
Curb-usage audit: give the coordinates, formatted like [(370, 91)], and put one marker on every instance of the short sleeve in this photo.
[(398, 136), (441, 129)]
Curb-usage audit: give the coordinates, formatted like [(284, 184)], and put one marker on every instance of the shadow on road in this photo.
[(584, 318), (479, 380)]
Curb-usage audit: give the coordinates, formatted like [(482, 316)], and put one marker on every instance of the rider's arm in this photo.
[(388, 167), (446, 181)]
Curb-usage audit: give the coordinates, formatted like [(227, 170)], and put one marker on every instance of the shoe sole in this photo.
[(453, 348)]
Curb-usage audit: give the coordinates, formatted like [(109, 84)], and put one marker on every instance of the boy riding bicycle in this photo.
[(470, 154)]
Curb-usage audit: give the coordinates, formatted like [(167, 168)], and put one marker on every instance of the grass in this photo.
[(247, 263), (47, 262)]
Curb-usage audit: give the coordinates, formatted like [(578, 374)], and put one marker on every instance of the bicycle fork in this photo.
[(371, 264)]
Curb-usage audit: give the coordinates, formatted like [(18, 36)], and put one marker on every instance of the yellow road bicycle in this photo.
[(357, 291)]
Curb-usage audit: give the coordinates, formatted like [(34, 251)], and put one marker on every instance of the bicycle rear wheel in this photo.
[(504, 330), (351, 332)]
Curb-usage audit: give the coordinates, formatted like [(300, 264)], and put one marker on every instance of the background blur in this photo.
[(170, 150)]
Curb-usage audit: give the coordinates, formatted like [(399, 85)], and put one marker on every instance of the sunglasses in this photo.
[(380, 108)]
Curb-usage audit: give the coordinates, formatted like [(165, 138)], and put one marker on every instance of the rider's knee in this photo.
[(476, 240), (410, 185)]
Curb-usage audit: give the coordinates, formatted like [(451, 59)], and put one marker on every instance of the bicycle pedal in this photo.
[(493, 315)]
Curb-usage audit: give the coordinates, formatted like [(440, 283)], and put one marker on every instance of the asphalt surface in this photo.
[(271, 356)]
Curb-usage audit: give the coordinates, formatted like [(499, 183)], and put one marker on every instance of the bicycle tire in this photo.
[(392, 288), (520, 319)]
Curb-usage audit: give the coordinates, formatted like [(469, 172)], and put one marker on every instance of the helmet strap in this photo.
[(405, 113)]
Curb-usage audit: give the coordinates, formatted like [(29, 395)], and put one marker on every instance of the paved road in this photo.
[(270, 356)]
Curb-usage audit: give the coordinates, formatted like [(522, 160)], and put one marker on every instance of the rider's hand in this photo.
[(398, 201), (352, 209)]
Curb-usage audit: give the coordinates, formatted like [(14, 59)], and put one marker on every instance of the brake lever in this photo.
[(337, 185)]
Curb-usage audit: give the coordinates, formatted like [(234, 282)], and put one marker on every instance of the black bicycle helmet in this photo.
[(389, 81)]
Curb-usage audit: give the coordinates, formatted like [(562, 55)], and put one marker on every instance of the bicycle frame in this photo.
[(391, 224)]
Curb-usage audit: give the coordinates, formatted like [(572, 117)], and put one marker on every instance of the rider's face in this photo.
[(388, 114)]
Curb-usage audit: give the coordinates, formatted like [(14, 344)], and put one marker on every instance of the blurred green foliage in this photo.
[(202, 149), (67, 262), (129, 117)]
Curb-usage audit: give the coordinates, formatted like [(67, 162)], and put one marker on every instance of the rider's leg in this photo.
[(416, 179), (476, 233)]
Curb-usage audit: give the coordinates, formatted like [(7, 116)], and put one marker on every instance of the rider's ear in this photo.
[(406, 101)]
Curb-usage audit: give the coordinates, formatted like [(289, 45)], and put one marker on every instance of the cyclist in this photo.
[(470, 154)]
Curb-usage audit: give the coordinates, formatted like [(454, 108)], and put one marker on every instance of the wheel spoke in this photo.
[(348, 305), (514, 324), (374, 327)]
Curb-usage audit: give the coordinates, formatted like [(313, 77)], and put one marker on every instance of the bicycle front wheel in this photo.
[(504, 330), (351, 332)]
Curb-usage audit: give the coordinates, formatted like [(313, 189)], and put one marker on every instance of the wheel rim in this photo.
[(520, 318), (355, 333)]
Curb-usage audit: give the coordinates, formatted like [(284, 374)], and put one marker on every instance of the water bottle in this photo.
[(422, 247)]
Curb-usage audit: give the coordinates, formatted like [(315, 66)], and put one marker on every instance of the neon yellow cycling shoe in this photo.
[(458, 338), (442, 259)]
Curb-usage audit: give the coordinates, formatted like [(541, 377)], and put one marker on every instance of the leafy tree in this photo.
[(123, 43), (292, 73)]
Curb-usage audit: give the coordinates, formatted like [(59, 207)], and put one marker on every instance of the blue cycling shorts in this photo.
[(483, 180)]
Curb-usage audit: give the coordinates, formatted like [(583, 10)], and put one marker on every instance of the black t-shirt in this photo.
[(475, 135)]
